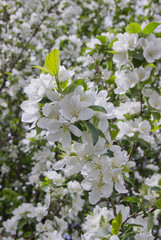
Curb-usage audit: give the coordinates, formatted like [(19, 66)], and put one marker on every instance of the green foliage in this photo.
[(150, 27), (130, 199), (116, 224), (93, 131), (98, 108), (133, 28), (52, 62), (150, 221), (73, 85)]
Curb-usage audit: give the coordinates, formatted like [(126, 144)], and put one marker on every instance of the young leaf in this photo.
[(52, 62), (127, 179), (111, 51), (125, 169), (93, 130), (130, 199), (75, 84), (150, 221), (111, 43), (155, 128), (133, 28), (98, 108), (116, 224), (150, 27), (102, 39), (22, 223), (159, 203), (44, 70)]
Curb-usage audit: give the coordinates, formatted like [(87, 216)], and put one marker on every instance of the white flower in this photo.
[(57, 178), (64, 74), (72, 110), (155, 100), (143, 73), (11, 225), (40, 227), (114, 237), (74, 187), (144, 127), (59, 130), (31, 111), (143, 236)]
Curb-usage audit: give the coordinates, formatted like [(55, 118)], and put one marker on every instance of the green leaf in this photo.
[(159, 203), (130, 199), (159, 182), (45, 186), (45, 100), (44, 70), (116, 224), (138, 55), (137, 63), (75, 84), (38, 130), (98, 108), (111, 51), (150, 27), (111, 43), (125, 169), (150, 221), (114, 133), (151, 65), (155, 128), (127, 179), (64, 84), (102, 221), (93, 130), (102, 39), (21, 223), (111, 79), (52, 62), (109, 153), (156, 115), (70, 89), (133, 28)]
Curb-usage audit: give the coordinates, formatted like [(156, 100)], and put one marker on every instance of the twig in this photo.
[(131, 150), (113, 206), (98, 72), (131, 216), (141, 104)]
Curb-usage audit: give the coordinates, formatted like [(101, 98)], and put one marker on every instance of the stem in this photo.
[(98, 72), (131, 216), (131, 150), (141, 104), (113, 206), (58, 83)]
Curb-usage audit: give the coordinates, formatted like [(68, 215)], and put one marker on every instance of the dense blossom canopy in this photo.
[(80, 109)]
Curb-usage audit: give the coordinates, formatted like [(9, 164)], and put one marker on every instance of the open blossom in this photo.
[(72, 109), (64, 74), (125, 42), (151, 48), (97, 224), (31, 111), (155, 100), (59, 130)]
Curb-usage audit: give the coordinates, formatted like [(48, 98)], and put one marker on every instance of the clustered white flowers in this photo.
[(83, 163)]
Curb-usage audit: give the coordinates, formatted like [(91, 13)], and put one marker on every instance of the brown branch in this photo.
[(113, 206), (141, 104), (131, 150), (131, 216), (98, 72)]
